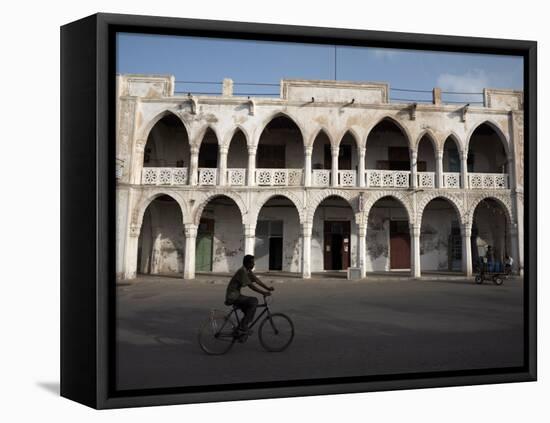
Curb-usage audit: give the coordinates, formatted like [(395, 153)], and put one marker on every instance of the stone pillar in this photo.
[(251, 178), (194, 165), (190, 244), (439, 169), (467, 249), (361, 167), (222, 165), (362, 238), (436, 96), (415, 250), (306, 249), (307, 165), (334, 173), (464, 169), (249, 239), (414, 178), (227, 87), (136, 162), (130, 270)]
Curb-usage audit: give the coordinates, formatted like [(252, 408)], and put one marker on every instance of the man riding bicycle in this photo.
[(244, 277)]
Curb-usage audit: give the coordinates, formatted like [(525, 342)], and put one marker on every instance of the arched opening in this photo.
[(440, 237), (321, 160), (487, 161), (451, 163), (425, 162), (161, 243), (220, 242), (208, 158), (347, 160), (388, 237), (387, 157), (334, 237), (280, 146), (490, 227), (167, 144), (278, 243), (237, 159)]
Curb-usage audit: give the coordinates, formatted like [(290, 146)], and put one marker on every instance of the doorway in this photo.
[(205, 244), (400, 245), (337, 245)]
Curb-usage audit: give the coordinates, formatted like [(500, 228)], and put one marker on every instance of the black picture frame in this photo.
[(88, 208)]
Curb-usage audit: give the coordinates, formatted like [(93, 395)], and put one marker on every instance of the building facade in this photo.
[(330, 175)]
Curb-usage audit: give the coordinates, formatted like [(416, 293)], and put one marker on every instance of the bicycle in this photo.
[(218, 334)]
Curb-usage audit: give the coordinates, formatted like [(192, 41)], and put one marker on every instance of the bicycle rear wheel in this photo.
[(276, 332), (216, 335)]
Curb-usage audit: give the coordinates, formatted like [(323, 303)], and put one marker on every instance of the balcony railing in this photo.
[(347, 178), (207, 176), (279, 177), (488, 180), (320, 177), (164, 176), (388, 178), (425, 179), (451, 179), (236, 177)]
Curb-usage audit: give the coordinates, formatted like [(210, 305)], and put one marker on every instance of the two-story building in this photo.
[(329, 175)]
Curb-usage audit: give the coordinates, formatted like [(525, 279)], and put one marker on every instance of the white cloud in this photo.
[(385, 53), (471, 82)]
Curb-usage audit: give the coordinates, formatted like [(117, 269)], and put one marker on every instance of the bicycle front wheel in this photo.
[(216, 335), (276, 332)]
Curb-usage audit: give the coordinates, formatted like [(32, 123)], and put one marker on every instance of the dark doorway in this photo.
[(400, 245), (337, 245), (275, 253), (205, 244)]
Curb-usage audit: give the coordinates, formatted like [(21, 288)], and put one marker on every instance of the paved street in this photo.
[(343, 328)]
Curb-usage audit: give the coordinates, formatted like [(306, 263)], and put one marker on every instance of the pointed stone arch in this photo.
[(498, 131), (456, 201), (208, 196), (317, 198), (402, 197), (148, 197), (431, 136), (503, 199), (396, 122), (146, 130), (262, 198), (317, 132), (263, 125)]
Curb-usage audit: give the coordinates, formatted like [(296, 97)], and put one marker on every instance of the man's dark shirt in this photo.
[(240, 279)]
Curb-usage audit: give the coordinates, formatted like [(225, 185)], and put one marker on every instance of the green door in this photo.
[(205, 242)]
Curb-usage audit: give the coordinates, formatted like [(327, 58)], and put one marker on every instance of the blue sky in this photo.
[(211, 60)]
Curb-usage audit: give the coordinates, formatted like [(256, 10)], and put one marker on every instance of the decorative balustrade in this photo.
[(347, 178), (321, 177), (488, 180), (164, 176), (426, 179), (388, 178), (236, 176), (451, 179), (207, 176), (279, 177)]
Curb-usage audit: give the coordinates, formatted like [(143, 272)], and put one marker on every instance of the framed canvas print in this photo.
[(255, 211)]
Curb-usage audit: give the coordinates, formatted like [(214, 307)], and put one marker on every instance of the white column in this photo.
[(362, 239), (306, 249), (136, 162), (464, 169), (415, 250), (414, 178), (190, 244), (361, 166), (249, 239), (222, 165), (251, 166), (307, 165), (335, 151), (439, 169), (466, 249), (514, 244), (130, 270), (194, 165)]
